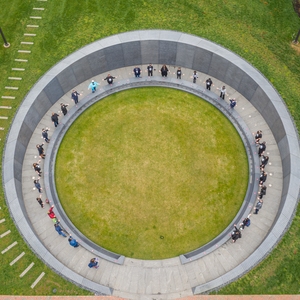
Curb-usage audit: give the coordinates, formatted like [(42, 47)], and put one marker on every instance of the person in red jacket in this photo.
[(52, 215)]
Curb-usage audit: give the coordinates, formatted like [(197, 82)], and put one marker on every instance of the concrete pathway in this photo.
[(158, 279)]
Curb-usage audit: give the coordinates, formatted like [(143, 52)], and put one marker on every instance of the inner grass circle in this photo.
[(151, 173)]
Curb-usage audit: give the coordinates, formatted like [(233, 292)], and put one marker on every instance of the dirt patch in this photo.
[(296, 47)]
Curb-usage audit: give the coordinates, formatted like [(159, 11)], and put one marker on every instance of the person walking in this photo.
[(94, 263), (150, 70), (63, 108), (263, 192), (137, 72), (75, 96), (109, 79), (164, 71), (59, 230), (54, 119), (73, 242), (37, 185), (209, 83), (41, 150), (45, 134), (264, 160)]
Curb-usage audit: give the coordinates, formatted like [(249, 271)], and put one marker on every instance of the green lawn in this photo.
[(152, 162), (259, 30)]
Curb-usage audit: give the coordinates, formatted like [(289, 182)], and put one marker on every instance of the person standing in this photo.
[(63, 108), (73, 242), (137, 72), (179, 73), (37, 168), (45, 134), (261, 148), (264, 161), (164, 71), (257, 137), (263, 192), (54, 119), (232, 103), (74, 96), (93, 86), (109, 79), (258, 206), (195, 76), (262, 178), (40, 201), (59, 230), (209, 83), (223, 92), (38, 185), (52, 215), (236, 234), (41, 150), (94, 263), (150, 70)]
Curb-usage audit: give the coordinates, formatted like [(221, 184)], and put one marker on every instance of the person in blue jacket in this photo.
[(73, 242), (93, 86), (94, 263), (59, 230)]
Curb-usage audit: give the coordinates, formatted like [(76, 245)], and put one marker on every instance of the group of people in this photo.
[(264, 159), (237, 231)]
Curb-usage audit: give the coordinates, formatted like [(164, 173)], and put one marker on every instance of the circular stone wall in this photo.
[(157, 47)]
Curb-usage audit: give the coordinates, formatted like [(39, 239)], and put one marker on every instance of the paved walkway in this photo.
[(159, 279)]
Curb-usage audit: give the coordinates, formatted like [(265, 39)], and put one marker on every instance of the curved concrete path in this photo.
[(118, 54), (162, 279)]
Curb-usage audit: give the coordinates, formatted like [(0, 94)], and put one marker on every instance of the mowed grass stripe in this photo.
[(150, 163)]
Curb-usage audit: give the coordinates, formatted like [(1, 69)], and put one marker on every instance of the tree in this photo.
[(296, 4)]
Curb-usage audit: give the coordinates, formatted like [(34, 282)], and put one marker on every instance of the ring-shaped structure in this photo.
[(156, 47)]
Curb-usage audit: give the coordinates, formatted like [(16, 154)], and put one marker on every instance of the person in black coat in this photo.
[(209, 83), (178, 73), (258, 136), (263, 192), (63, 108), (150, 70), (41, 150), (54, 119), (45, 134), (137, 72), (262, 148), (74, 96), (164, 71), (236, 234), (263, 177), (109, 79)]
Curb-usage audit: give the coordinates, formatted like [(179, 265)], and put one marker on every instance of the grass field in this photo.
[(138, 154), (259, 30)]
